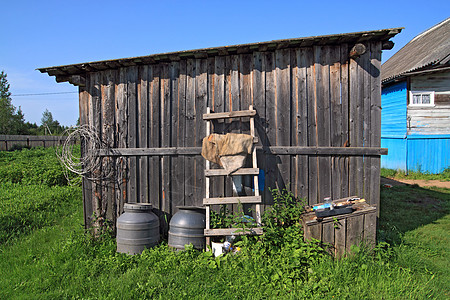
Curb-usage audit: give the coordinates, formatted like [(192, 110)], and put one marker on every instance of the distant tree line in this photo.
[(12, 119)]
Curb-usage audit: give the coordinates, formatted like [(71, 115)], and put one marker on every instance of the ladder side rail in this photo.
[(255, 165), (207, 182)]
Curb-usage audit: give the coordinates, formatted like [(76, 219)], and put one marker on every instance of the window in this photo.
[(421, 98)]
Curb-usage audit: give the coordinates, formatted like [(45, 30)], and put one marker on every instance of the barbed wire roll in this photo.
[(87, 165)]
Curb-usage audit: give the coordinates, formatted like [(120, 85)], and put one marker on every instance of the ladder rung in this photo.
[(232, 200), (228, 115), (233, 231), (241, 171)]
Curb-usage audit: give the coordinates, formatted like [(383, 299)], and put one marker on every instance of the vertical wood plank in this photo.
[(218, 105), (133, 186), (365, 70), (328, 235), (355, 128), (122, 140), (282, 113), (340, 237), (178, 89), (108, 125), (166, 128), (259, 103), (270, 95), (370, 229), (233, 103), (375, 122), (344, 161), (201, 103), (190, 131), (355, 226), (316, 231), (84, 120), (143, 124), (245, 87), (154, 136), (313, 180), (300, 119), (295, 118), (234, 96), (95, 123), (322, 64), (336, 121), (306, 232)]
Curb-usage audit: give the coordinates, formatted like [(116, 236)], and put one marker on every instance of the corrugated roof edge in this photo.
[(432, 67), (354, 37)]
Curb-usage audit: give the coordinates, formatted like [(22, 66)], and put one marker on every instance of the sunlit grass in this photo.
[(56, 260)]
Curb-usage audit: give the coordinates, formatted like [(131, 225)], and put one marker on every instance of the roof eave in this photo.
[(65, 71)]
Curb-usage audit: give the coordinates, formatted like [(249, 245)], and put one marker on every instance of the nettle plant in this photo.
[(281, 223), (282, 227), (223, 218)]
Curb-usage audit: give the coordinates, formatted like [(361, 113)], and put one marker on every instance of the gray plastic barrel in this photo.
[(137, 228), (186, 227)]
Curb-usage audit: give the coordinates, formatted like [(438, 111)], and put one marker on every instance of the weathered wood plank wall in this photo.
[(308, 97)]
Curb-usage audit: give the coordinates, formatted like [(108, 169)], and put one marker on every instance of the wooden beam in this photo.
[(77, 80), (231, 114), (61, 78), (233, 231), (150, 151), (277, 150), (388, 45), (344, 151), (232, 200), (223, 172), (357, 50)]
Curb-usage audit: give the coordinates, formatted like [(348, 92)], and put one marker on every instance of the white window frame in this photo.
[(411, 97)]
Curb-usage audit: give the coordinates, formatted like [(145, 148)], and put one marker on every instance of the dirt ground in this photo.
[(441, 184)]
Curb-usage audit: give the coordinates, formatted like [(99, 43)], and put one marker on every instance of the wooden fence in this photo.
[(8, 142)]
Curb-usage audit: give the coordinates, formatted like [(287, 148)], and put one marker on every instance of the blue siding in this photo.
[(424, 153), (393, 113), (396, 158), (428, 153)]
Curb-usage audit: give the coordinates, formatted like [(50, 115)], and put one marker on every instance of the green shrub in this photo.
[(33, 166)]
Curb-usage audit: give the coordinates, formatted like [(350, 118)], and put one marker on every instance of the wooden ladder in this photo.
[(254, 171)]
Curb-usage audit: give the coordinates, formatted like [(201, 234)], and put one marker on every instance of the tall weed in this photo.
[(37, 166)]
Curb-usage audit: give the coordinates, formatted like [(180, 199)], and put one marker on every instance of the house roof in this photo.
[(430, 49), (64, 73)]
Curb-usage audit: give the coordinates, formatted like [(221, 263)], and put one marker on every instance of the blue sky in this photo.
[(50, 33)]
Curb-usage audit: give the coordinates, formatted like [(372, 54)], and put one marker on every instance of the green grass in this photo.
[(399, 174), (38, 166), (56, 260), (417, 221), (24, 208)]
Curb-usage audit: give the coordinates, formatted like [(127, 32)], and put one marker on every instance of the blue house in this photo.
[(415, 100)]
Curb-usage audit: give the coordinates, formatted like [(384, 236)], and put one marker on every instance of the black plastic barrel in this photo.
[(187, 227), (137, 228)]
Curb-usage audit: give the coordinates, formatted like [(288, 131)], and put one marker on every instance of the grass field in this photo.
[(399, 174), (44, 253)]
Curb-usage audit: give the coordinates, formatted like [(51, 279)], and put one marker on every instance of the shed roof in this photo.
[(64, 72), (430, 49)]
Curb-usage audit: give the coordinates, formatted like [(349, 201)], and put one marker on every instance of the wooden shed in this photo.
[(318, 119)]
